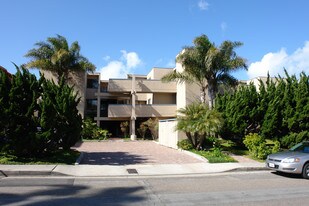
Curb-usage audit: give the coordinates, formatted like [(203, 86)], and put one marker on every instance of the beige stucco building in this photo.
[(135, 99)]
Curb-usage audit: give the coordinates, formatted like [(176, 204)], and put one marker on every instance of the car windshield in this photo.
[(301, 147)]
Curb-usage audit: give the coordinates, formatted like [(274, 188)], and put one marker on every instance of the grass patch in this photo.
[(254, 158), (61, 157), (214, 156), (230, 146)]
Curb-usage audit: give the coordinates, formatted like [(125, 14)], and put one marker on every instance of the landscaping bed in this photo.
[(67, 157)]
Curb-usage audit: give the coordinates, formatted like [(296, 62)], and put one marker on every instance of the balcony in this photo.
[(154, 110), (141, 86)]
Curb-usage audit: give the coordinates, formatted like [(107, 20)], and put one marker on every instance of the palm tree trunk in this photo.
[(203, 95), (201, 142), (211, 96), (189, 136)]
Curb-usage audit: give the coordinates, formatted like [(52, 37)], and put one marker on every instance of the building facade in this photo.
[(134, 99)]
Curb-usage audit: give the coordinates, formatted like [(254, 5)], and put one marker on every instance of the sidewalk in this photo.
[(125, 159), (127, 170), (122, 171)]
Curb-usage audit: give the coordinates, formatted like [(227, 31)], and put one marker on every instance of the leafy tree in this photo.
[(5, 87), (55, 55), (208, 66), (59, 115), (43, 117), (280, 110), (241, 112), (19, 107), (301, 114), (199, 122)]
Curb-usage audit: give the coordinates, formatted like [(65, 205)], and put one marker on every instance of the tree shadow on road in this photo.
[(113, 158), (76, 195)]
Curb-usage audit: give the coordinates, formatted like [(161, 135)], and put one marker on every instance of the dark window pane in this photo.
[(92, 83)]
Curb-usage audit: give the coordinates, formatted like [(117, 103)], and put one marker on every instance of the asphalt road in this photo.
[(247, 188)]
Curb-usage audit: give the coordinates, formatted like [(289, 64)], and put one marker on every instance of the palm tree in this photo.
[(199, 122), (56, 56), (208, 66)]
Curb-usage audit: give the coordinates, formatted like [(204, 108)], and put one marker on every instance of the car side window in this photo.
[(306, 149)]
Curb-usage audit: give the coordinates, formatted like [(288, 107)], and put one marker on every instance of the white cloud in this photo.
[(203, 5), (274, 63), (223, 26), (120, 68), (106, 58), (131, 58)]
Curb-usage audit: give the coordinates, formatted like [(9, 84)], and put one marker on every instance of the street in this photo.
[(238, 188)]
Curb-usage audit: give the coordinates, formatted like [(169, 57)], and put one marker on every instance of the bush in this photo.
[(295, 138), (59, 118), (92, 131), (214, 156), (257, 146), (43, 115), (185, 144), (101, 134)]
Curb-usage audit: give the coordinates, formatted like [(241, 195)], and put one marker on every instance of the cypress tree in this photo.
[(21, 127), (60, 120), (5, 87)]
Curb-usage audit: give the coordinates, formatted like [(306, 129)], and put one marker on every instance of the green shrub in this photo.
[(214, 156), (185, 144), (101, 134), (276, 147), (89, 128), (257, 146), (295, 138), (92, 131)]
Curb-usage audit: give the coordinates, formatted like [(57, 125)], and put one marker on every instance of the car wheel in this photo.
[(306, 171)]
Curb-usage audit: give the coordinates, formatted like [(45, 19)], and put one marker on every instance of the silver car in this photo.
[(295, 160)]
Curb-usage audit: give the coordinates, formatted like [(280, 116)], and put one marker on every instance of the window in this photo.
[(92, 83), (103, 88), (91, 104)]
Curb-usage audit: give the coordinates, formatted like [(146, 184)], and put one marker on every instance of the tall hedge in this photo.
[(278, 109), (37, 117), (59, 117)]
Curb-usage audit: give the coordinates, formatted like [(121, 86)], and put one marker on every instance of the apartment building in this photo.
[(136, 99)]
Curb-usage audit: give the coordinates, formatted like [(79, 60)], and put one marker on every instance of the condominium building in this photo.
[(134, 99)]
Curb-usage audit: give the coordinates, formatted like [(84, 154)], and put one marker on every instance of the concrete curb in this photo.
[(10, 173), (2, 174), (196, 156), (79, 159), (32, 173), (248, 169)]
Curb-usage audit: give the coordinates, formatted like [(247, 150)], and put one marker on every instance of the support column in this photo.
[(98, 102), (133, 116)]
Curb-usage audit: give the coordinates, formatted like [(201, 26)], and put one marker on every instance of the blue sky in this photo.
[(132, 36)]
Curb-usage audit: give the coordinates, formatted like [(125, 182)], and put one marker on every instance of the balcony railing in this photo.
[(153, 110), (142, 86)]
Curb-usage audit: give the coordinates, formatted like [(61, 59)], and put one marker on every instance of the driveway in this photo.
[(119, 152)]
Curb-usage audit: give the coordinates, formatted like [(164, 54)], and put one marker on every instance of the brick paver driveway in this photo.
[(120, 152)]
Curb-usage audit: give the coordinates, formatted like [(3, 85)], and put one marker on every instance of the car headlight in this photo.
[(290, 160)]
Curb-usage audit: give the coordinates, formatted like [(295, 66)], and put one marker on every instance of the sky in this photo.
[(133, 36)]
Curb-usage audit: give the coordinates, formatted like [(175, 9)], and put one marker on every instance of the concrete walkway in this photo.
[(131, 159)]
